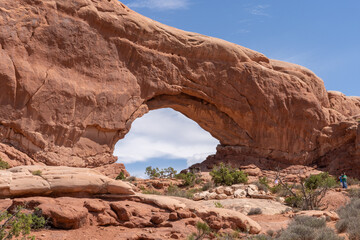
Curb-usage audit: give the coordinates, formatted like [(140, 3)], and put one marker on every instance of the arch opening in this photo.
[(164, 138)]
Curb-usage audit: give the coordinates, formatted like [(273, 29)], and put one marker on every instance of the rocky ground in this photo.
[(102, 208)]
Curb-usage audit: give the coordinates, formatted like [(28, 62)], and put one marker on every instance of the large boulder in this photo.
[(36, 180), (75, 74)]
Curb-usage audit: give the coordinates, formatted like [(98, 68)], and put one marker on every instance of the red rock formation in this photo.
[(76, 73)]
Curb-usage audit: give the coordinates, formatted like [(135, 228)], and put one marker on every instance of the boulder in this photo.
[(252, 190), (221, 196), (240, 193), (229, 191), (38, 180)]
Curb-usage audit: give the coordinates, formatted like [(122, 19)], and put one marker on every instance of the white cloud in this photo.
[(159, 4), (165, 133), (260, 10)]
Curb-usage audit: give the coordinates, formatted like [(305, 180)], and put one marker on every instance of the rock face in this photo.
[(76, 73), (58, 181)]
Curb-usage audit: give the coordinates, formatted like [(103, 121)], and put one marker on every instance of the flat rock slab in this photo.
[(39, 180), (243, 205)]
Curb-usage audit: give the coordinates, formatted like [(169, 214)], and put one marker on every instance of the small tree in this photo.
[(224, 175), (152, 172), (312, 190)]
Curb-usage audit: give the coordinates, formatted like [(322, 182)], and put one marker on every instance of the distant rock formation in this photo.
[(76, 73)]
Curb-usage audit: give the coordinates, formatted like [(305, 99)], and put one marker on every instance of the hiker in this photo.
[(344, 180)]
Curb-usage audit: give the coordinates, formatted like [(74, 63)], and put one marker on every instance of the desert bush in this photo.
[(224, 175), (131, 179), (353, 181), (121, 176), (308, 221), (202, 231), (189, 178), (255, 211), (207, 186), (261, 186), (354, 192), (3, 164), (218, 205), (270, 232), (174, 190), (259, 237), (37, 173), (350, 219), (154, 192), (20, 223), (308, 228)]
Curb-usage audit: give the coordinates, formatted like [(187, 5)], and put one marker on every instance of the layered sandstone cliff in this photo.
[(76, 73)]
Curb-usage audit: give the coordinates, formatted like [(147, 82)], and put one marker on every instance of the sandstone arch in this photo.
[(76, 73)]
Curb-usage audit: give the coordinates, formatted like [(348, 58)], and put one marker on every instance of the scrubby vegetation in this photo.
[(121, 176), (302, 228), (37, 173), (19, 224), (255, 211), (225, 175), (202, 231), (174, 190), (160, 173), (350, 219), (218, 205), (310, 192), (3, 164)]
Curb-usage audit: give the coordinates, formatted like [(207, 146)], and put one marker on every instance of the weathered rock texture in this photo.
[(58, 181), (76, 73)]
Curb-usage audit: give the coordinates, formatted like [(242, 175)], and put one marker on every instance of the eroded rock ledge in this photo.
[(76, 73)]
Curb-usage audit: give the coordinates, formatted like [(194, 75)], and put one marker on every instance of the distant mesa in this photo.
[(75, 74)]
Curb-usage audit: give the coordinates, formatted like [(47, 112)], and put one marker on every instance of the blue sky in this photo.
[(323, 36)]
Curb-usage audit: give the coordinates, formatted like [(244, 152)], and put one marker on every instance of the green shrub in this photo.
[(319, 181), (207, 186), (20, 224), (37, 173), (255, 211), (294, 201), (121, 176), (189, 178), (224, 175), (3, 164), (202, 231), (218, 205)]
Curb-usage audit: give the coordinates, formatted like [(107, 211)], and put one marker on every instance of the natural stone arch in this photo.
[(75, 74)]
